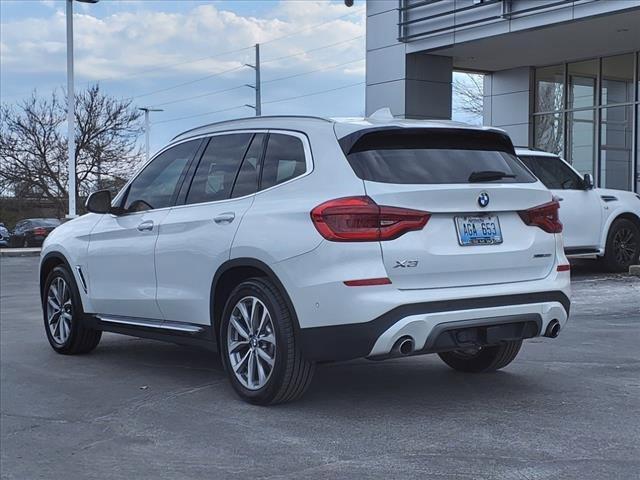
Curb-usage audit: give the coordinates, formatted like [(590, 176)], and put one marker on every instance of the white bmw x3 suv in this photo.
[(282, 242)]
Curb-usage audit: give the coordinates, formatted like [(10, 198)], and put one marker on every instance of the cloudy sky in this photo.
[(189, 57)]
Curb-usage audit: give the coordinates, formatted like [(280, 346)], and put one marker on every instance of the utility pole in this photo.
[(258, 105), (71, 107), (147, 127)]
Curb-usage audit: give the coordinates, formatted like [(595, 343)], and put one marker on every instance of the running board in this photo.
[(582, 252), (150, 323), (168, 331)]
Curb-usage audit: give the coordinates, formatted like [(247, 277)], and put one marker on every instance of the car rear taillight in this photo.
[(544, 216), (360, 219), (39, 231)]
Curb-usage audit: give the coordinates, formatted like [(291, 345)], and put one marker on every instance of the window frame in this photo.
[(121, 198), (206, 136)]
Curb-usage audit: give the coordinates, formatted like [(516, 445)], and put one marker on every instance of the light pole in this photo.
[(71, 106), (147, 127)]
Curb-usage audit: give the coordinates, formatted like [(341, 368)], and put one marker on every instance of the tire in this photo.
[(290, 374), (487, 359), (623, 246), (66, 331)]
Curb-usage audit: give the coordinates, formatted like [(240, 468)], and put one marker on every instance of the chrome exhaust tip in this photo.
[(553, 329), (403, 346)]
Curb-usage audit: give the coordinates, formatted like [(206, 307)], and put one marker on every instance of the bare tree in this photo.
[(33, 147), (468, 90)]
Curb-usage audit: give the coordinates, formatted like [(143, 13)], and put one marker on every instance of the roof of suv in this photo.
[(533, 152), (342, 126)]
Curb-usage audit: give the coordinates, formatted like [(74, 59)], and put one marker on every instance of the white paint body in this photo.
[(166, 273)]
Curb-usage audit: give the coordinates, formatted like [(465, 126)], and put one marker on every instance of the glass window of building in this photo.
[(550, 88), (583, 77), (617, 79), (615, 147), (581, 141), (549, 132)]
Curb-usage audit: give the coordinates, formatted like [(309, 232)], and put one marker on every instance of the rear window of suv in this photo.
[(437, 156)]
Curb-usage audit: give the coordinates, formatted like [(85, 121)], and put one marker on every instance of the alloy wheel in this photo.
[(59, 310), (624, 246), (251, 343)]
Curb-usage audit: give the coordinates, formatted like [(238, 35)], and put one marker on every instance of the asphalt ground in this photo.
[(567, 408)]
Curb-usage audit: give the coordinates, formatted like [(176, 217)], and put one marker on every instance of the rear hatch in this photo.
[(477, 193)]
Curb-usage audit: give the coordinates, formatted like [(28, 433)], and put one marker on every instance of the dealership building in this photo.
[(560, 75)]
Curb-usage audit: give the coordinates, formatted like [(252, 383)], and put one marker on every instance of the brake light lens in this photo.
[(39, 231), (360, 219), (544, 216)]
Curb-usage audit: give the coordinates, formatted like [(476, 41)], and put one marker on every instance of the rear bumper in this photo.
[(439, 326)]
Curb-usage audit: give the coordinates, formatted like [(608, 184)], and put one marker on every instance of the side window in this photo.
[(218, 168), (553, 172), (156, 185), (247, 180), (284, 160)]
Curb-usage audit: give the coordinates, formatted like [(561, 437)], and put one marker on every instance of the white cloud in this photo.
[(126, 43)]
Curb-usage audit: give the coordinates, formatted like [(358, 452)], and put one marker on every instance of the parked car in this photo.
[(31, 232), (4, 236), (598, 222), (282, 242)]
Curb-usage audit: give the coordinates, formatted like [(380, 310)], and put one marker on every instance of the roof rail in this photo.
[(535, 149), (248, 118)]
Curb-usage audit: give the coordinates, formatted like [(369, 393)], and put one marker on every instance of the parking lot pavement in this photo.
[(567, 408)]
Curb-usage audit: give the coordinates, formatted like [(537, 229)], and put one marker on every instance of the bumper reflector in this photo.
[(564, 268)]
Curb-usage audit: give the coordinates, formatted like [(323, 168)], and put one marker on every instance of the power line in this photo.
[(270, 101), (312, 71), (199, 96), (312, 50), (200, 114), (314, 93), (191, 82)]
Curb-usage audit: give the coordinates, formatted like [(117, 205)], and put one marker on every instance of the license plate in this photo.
[(478, 230)]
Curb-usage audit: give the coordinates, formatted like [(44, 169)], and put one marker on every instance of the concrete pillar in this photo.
[(415, 85), (508, 103)]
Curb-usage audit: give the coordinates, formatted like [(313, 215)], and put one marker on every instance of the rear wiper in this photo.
[(489, 175)]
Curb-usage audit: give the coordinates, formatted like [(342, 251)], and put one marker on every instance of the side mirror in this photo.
[(587, 181), (99, 202)]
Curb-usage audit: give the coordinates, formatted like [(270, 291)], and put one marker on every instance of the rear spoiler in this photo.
[(392, 137)]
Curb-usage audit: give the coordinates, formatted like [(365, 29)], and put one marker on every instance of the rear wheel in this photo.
[(63, 315), (258, 345), (485, 359), (623, 246)]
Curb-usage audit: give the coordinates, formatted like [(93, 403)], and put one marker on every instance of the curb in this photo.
[(19, 252), (634, 270)]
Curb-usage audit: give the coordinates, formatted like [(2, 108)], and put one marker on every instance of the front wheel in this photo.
[(258, 345), (485, 359), (63, 315), (623, 246)]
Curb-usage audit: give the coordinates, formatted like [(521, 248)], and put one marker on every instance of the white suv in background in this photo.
[(598, 222), (282, 242)]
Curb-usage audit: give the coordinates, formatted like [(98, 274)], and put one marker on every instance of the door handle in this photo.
[(224, 218), (146, 226)]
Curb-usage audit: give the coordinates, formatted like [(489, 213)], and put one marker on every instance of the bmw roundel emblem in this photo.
[(483, 199)]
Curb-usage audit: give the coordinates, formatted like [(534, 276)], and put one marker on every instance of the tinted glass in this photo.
[(617, 79), (284, 160), (155, 186), (549, 132), (616, 140), (434, 158), (553, 172), (247, 179), (218, 168)]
